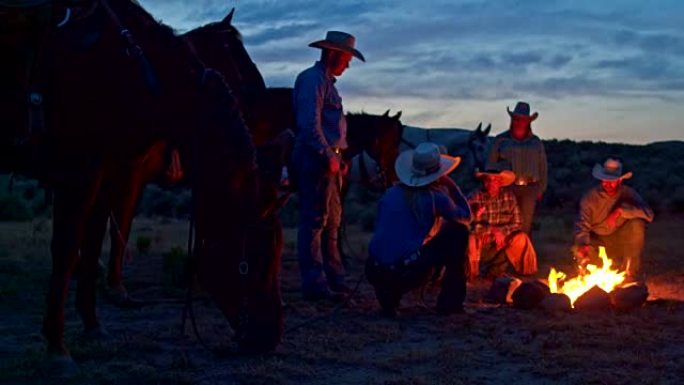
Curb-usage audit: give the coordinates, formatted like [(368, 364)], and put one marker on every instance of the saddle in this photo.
[(26, 27)]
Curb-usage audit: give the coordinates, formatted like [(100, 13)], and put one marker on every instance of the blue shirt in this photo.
[(319, 116), (402, 227)]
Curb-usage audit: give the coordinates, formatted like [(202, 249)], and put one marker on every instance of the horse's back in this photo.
[(447, 137)]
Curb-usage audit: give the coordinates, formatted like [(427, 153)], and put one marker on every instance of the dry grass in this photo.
[(354, 345)]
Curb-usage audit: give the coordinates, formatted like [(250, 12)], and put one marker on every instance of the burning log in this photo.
[(556, 302), (596, 299), (605, 277), (529, 295), (629, 297), (502, 289)]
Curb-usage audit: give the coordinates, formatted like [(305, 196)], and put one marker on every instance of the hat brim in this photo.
[(531, 118), (326, 44), (402, 166), (507, 177), (599, 174)]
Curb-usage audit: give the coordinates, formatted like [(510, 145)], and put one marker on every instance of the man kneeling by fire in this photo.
[(615, 216), (496, 242), (420, 228)]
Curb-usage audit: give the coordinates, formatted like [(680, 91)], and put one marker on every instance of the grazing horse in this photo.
[(219, 46), (100, 88)]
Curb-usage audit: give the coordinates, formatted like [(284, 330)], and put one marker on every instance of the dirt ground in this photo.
[(350, 344)]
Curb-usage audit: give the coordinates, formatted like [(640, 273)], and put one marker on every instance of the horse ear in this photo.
[(486, 130), (397, 116), (479, 127), (229, 18), (386, 114)]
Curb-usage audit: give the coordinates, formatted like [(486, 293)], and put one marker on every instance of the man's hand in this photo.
[(582, 256), (333, 165), (611, 221), (499, 238)]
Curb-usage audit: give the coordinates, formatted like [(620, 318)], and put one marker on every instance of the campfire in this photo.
[(595, 288), (605, 277)]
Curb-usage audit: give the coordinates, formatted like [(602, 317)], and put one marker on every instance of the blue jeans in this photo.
[(320, 214)]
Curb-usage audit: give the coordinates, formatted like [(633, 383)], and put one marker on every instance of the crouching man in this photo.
[(420, 227), (614, 216), (496, 241)]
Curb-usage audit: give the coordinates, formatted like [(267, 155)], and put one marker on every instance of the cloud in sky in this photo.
[(598, 70)]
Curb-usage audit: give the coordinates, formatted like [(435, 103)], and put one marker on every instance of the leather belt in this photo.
[(409, 260)]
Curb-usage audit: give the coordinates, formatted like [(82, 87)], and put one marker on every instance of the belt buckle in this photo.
[(337, 150), (520, 182)]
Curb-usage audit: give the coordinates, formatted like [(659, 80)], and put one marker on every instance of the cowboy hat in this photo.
[(610, 170), (522, 111), (339, 41), (507, 177), (424, 165)]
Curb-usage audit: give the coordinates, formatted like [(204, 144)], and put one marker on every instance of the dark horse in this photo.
[(102, 98), (220, 47)]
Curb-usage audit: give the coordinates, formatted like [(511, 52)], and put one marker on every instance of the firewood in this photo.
[(529, 295), (556, 302), (595, 299), (629, 297)]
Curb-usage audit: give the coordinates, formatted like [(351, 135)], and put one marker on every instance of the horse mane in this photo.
[(362, 114), (167, 34), (209, 28)]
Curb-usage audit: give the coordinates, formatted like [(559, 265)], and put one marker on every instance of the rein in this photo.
[(134, 50)]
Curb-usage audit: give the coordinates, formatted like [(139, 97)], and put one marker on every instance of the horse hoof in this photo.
[(59, 364), (96, 334)]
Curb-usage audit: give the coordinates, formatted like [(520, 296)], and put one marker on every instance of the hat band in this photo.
[(425, 171)]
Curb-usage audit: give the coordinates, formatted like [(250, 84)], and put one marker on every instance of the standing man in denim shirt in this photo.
[(317, 159)]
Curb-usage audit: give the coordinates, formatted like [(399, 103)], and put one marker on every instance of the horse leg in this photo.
[(70, 211), (123, 211), (88, 264)]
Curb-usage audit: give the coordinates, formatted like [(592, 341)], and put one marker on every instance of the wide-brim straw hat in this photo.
[(424, 165), (507, 177), (610, 170), (339, 41)]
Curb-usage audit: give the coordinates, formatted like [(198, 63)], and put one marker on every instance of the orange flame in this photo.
[(604, 277)]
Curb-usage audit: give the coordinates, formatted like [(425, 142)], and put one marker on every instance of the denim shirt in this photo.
[(319, 116), (401, 229)]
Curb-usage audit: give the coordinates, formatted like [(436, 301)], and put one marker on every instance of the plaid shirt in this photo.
[(501, 211)]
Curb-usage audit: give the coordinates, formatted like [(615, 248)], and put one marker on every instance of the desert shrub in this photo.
[(143, 243), (14, 208)]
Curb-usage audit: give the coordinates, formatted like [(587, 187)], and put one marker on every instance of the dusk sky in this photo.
[(595, 70)]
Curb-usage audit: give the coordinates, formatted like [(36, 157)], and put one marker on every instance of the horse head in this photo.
[(220, 46), (379, 136), (478, 145)]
